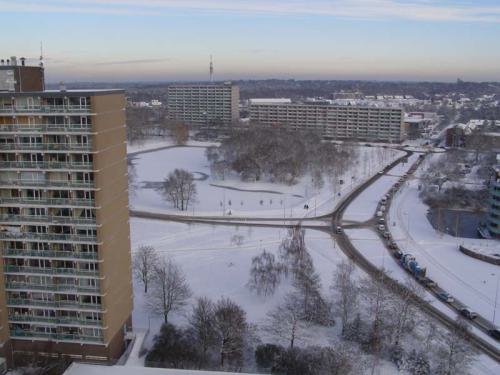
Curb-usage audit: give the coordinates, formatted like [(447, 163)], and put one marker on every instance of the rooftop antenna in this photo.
[(41, 55), (211, 69)]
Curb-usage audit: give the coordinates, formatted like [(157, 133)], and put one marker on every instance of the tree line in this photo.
[(278, 155)]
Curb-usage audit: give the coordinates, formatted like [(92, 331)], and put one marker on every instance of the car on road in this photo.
[(495, 333), (425, 281), (468, 313), (393, 245), (381, 172), (445, 297)]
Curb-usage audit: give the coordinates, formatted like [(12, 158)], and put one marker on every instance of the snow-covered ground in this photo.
[(364, 207), (218, 267), (251, 199), (155, 143)]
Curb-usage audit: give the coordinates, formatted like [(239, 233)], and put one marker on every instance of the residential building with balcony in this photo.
[(65, 277), (332, 121), (212, 104), (493, 219)]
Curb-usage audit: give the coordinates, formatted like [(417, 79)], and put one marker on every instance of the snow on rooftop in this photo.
[(271, 101), (84, 369)]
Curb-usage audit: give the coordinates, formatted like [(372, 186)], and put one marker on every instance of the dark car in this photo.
[(468, 313), (495, 333)]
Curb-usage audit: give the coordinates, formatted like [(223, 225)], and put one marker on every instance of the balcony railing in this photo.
[(54, 320), (47, 220), (55, 304), (46, 146), (48, 237), (49, 254), (48, 202), (48, 184), (51, 271), (55, 336), (46, 128), (46, 108), (53, 287), (46, 165)]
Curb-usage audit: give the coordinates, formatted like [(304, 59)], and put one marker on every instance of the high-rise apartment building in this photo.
[(332, 121), (65, 280), (204, 104)]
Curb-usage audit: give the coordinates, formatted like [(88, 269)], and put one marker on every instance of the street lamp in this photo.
[(496, 297)]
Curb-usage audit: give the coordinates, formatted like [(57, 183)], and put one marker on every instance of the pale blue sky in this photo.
[(117, 40)]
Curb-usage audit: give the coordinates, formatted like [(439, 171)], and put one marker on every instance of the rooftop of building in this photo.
[(61, 93), (84, 369)]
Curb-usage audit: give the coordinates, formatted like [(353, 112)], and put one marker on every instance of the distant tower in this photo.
[(41, 55), (211, 69)]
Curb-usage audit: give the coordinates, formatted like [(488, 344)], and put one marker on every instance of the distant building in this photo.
[(493, 222), (65, 281), (418, 124), (331, 121), (210, 104)]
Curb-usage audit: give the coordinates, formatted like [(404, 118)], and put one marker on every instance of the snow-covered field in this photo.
[(255, 199), (217, 267)]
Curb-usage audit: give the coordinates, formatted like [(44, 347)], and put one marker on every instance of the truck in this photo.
[(411, 265)]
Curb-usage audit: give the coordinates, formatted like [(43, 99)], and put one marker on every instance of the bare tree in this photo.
[(405, 307), (346, 292), (145, 259), (180, 189), (180, 133), (456, 353), (265, 273), (169, 289), (231, 327), (286, 322), (202, 324)]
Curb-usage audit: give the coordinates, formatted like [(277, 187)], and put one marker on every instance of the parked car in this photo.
[(445, 297), (381, 220), (381, 228), (387, 235), (468, 313), (338, 229), (380, 213)]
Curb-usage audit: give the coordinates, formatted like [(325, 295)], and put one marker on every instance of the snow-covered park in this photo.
[(231, 196)]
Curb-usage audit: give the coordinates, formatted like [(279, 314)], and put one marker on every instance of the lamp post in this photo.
[(496, 297)]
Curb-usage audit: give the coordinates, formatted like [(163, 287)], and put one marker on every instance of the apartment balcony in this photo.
[(72, 305), (36, 219), (47, 237), (68, 185), (17, 253), (45, 129), (45, 165), (87, 147), (46, 109), (12, 286), (46, 202), (22, 319), (50, 271), (30, 335)]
